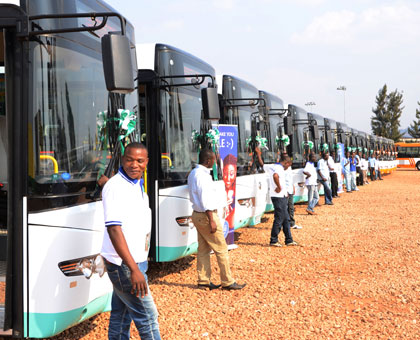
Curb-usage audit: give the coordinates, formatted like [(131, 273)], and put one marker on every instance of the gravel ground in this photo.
[(355, 277)]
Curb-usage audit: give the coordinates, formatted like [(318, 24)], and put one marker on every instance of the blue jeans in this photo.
[(313, 196), (127, 306), (347, 177), (327, 192), (353, 180), (281, 219)]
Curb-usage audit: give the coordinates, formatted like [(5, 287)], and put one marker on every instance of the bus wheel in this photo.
[(418, 165)]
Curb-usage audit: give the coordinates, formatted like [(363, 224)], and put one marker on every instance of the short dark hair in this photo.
[(135, 145), (205, 155), (285, 158)]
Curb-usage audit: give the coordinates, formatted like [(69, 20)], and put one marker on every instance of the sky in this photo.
[(298, 50)]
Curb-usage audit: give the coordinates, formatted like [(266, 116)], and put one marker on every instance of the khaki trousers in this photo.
[(207, 242)]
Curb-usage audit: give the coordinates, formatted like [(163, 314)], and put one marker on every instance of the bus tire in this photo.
[(418, 165)]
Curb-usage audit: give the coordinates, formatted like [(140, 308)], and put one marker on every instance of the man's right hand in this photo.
[(139, 284), (213, 226)]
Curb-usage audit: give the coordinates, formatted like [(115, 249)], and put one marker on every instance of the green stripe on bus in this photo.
[(45, 325), (167, 254)]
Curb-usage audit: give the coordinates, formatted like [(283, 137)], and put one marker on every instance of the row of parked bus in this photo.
[(61, 126), (172, 110)]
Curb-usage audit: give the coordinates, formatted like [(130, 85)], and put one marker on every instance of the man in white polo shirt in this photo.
[(126, 246), (279, 197), (323, 169), (311, 184), (210, 236)]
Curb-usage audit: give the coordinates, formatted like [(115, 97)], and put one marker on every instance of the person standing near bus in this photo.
[(210, 236), (345, 165), (290, 191), (378, 169), (125, 247), (311, 184), (353, 173), (372, 162), (323, 169), (279, 197), (364, 166), (359, 179), (333, 175)]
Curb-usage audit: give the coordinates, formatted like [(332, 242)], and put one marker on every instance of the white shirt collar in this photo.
[(199, 166)]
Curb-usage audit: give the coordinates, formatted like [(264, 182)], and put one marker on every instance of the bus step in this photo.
[(3, 333)]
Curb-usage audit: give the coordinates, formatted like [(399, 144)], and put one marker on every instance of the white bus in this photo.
[(56, 121), (171, 82), (240, 103)]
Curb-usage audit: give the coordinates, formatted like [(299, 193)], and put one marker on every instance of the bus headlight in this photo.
[(184, 221)]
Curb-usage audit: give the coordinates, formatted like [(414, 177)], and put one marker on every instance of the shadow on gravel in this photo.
[(265, 218), (160, 270), (175, 284)]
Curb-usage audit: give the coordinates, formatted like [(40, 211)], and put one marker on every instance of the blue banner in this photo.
[(228, 152)]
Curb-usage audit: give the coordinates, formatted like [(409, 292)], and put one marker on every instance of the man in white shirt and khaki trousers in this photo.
[(210, 236)]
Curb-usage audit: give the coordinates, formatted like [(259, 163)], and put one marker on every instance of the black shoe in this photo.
[(329, 203), (211, 286), (234, 286)]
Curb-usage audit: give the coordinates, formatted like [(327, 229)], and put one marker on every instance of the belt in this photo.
[(203, 212)]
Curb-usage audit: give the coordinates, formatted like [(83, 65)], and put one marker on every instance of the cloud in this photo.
[(224, 4), (309, 2), (173, 24), (330, 28), (374, 28)]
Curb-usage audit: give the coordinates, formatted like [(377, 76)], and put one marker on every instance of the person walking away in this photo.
[(279, 197), (291, 193), (333, 175), (311, 184), (345, 165), (209, 228), (353, 163), (126, 246), (323, 170)]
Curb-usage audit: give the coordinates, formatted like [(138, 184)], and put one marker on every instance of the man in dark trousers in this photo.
[(125, 247), (333, 175), (279, 197), (210, 236)]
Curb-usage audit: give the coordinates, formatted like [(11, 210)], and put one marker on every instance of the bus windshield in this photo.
[(180, 112), (276, 127), (300, 121), (240, 116), (69, 116)]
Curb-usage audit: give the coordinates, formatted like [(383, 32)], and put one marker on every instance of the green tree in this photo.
[(387, 114), (377, 122), (414, 129), (394, 111)]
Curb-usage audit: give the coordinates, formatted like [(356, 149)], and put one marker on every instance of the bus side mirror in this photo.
[(118, 67), (288, 125), (210, 101)]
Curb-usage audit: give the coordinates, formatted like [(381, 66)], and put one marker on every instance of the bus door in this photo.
[(13, 24)]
